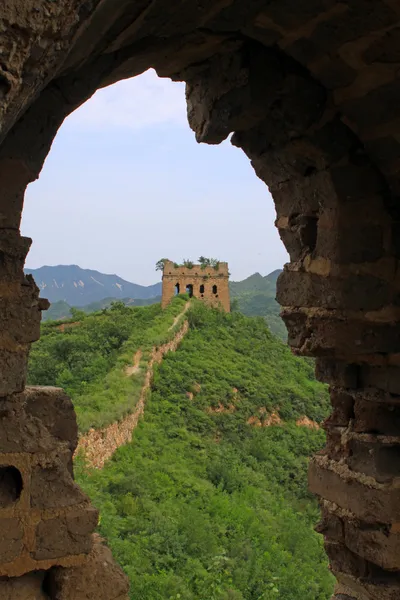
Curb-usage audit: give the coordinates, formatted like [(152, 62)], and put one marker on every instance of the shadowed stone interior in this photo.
[(311, 93)]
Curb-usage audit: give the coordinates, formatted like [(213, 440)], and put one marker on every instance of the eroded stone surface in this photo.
[(311, 92), (98, 578)]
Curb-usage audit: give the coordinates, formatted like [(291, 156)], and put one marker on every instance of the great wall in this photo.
[(310, 91)]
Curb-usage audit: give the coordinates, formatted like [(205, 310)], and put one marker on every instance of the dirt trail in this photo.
[(180, 315), (135, 366), (99, 445)]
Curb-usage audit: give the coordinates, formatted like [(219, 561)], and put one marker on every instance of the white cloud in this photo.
[(136, 103)]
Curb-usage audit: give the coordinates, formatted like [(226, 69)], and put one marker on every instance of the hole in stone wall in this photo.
[(189, 290), (10, 485), (214, 289), (202, 289)]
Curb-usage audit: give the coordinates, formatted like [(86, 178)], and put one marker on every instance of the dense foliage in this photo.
[(87, 356), (202, 505)]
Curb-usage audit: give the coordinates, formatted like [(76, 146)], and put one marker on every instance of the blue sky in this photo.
[(126, 184)]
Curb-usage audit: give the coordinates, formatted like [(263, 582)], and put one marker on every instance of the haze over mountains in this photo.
[(78, 287)]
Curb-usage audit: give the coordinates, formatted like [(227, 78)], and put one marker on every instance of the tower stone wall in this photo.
[(208, 284)]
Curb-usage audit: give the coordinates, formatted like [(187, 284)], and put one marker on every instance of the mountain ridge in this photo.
[(79, 287)]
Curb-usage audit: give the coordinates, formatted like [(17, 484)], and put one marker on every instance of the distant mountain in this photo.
[(79, 287), (255, 296)]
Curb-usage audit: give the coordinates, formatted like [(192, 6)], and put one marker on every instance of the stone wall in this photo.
[(208, 284), (311, 93)]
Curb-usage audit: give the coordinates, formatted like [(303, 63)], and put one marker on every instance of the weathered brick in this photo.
[(13, 367), (27, 587), (55, 411), (356, 292), (343, 560), (370, 504), (334, 73), (374, 543), (63, 536), (343, 409), (320, 336), (98, 578), (11, 539), (376, 417), (60, 488), (337, 372), (331, 526), (385, 49), (344, 245), (375, 108), (383, 378), (375, 459), (360, 17)]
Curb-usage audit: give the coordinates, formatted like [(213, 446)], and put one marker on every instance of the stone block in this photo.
[(387, 588), (383, 378), (343, 409), (334, 72), (337, 373), (66, 535), (355, 292), (376, 544), (27, 587), (349, 244), (374, 458), (343, 560), (53, 487), (360, 17), (384, 49), (376, 417), (13, 251), (20, 316), (55, 411), (11, 540), (20, 432), (98, 579), (336, 483), (13, 367), (320, 335), (377, 107), (331, 526)]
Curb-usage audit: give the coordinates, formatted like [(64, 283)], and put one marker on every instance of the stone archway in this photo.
[(310, 92)]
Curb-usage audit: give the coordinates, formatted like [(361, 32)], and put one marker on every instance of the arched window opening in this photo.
[(202, 289), (214, 289), (189, 290), (177, 288)]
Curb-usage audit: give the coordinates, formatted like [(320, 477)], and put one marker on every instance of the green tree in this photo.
[(160, 264)]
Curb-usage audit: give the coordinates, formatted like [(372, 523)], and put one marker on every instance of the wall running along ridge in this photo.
[(98, 445), (214, 282), (311, 93)]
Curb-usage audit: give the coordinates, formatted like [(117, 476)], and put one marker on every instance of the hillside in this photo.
[(255, 297), (209, 500), (61, 310), (79, 287)]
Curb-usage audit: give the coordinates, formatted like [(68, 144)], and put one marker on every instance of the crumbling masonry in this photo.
[(311, 93)]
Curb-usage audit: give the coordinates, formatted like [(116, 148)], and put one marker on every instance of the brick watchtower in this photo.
[(208, 284)]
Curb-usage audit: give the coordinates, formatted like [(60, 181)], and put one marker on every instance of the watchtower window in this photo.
[(189, 290), (214, 289), (202, 289), (177, 288)]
